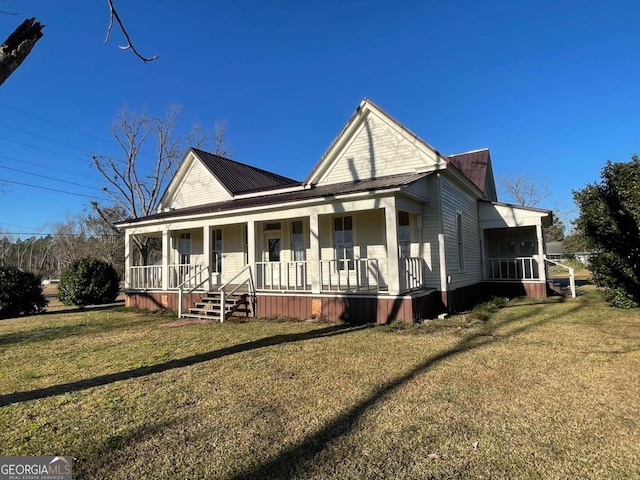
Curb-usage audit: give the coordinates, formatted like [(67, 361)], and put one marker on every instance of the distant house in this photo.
[(384, 227), (555, 251)]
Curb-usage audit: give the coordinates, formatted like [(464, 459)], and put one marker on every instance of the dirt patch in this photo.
[(187, 321)]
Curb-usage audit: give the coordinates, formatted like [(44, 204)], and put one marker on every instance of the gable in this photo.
[(198, 187), (373, 145), (193, 184), (238, 178), (476, 166)]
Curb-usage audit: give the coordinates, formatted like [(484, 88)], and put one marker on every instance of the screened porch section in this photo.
[(513, 254)]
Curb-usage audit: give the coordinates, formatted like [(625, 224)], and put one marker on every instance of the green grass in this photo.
[(547, 389)]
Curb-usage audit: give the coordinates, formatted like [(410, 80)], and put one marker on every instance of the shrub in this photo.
[(610, 224), (88, 282), (20, 293)]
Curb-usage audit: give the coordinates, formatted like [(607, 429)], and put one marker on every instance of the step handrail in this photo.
[(223, 293), (572, 277), (181, 292)]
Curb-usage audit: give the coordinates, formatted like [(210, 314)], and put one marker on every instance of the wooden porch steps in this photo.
[(555, 287), (209, 306)]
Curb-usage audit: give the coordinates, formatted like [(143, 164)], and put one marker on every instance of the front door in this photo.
[(271, 258), (216, 257)]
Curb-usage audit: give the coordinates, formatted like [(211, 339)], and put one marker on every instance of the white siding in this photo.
[(233, 248), (199, 187), (455, 200), (429, 239), (377, 150)]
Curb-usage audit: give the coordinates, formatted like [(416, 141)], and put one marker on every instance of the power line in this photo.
[(58, 124), (55, 190), (14, 225), (51, 178), (46, 166), (43, 149), (54, 234), (48, 139)]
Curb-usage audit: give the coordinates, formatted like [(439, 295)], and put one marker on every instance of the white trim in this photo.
[(324, 207), (362, 113), (470, 151)]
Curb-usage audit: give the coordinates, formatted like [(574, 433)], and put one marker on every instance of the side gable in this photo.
[(476, 166), (204, 178), (193, 184), (371, 145), (239, 178)]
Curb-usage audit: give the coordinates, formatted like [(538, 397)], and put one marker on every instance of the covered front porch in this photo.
[(365, 248)]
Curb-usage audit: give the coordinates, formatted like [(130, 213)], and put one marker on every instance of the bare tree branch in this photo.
[(524, 190), (135, 188), (113, 14)]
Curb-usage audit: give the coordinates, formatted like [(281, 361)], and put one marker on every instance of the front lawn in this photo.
[(542, 390)]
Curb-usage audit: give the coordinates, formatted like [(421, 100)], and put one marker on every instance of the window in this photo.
[(404, 234), (507, 248), (184, 248), (272, 226), (297, 241), (343, 242), (527, 248), (216, 254), (274, 249), (459, 232)]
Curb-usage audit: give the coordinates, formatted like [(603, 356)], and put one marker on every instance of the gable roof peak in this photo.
[(239, 177)]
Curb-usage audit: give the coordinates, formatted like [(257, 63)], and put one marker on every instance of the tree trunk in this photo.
[(19, 44)]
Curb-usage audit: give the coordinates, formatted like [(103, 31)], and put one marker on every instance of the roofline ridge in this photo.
[(470, 151), (245, 165)]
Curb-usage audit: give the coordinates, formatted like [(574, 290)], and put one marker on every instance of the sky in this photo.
[(551, 87)]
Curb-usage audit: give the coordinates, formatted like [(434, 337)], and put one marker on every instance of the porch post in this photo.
[(393, 264), (542, 267), (127, 260), (314, 253), (251, 245), (165, 258), (206, 255)]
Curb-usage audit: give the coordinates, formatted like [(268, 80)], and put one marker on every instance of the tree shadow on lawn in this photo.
[(297, 460), (60, 389), (56, 332)]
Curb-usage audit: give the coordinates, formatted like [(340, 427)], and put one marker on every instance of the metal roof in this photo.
[(323, 191), (474, 165), (240, 178)]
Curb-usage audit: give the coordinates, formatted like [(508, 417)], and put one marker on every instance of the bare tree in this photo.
[(134, 187), (526, 191)]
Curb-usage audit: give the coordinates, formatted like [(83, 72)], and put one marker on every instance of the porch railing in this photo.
[(411, 276), (226, 290), (193, 274), (520, 268), (362, 274), (199, 275), (146, 278), (570, 271), (283, 276)]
